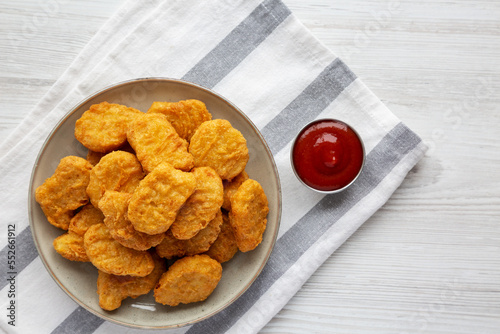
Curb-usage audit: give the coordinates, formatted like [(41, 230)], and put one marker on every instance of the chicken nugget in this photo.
[(87, 216), (70, 244), (190, 279), (218, 145), (159, 196), (94, 157), (114, 206), (113, 289), (172, 247), (202, 206), (202, 241), (118, 171), (230, 188), (248, 215), (155, 140), (185, 116), (224, 247), (110, 256), (103, 128), (64, 191)]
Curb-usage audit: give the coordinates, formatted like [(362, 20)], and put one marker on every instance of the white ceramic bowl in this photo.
[(78, 279)]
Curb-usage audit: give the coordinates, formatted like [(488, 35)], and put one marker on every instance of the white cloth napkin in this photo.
[(259, 56)]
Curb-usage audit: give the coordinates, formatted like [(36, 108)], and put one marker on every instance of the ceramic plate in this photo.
[(78, 279)]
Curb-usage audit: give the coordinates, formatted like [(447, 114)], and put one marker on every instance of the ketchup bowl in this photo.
[(327, 155)]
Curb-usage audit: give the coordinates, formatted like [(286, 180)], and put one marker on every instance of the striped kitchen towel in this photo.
[(260, 57)]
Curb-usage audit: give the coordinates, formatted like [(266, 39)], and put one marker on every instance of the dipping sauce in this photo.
[(327, 155)]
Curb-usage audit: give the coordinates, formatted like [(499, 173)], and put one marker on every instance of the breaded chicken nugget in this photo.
[(230, 188), (155, 203), (202, 241), (202, 206), (70, 244), (155, 141), (110, 256), (64, 191), (94, 157), (248, 215), (218, 145), (88, 215), (172, 247), (113, 289), (224, 247), (118, 171), (185, 116), (190, 279), (114, 206), (103, 128)]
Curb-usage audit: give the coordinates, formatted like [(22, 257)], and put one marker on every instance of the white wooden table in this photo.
[(429, 260)]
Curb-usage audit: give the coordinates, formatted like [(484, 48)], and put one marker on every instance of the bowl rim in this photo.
[(334, 191), (96, 94)]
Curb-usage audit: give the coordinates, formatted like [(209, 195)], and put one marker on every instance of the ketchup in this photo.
[(327, 155)]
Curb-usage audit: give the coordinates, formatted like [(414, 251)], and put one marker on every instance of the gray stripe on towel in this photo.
[(238, 44), (288, 249), (25, 253), (80, 321), (305, 107)]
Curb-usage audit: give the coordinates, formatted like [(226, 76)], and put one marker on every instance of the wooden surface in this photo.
[(429, 260)]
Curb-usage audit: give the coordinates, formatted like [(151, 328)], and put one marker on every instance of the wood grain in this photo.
[(429, 260)]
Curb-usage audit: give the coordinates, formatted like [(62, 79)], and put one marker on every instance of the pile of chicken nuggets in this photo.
[(160, 201)]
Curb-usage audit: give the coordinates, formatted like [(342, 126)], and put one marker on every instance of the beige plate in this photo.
[(78, 280)]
